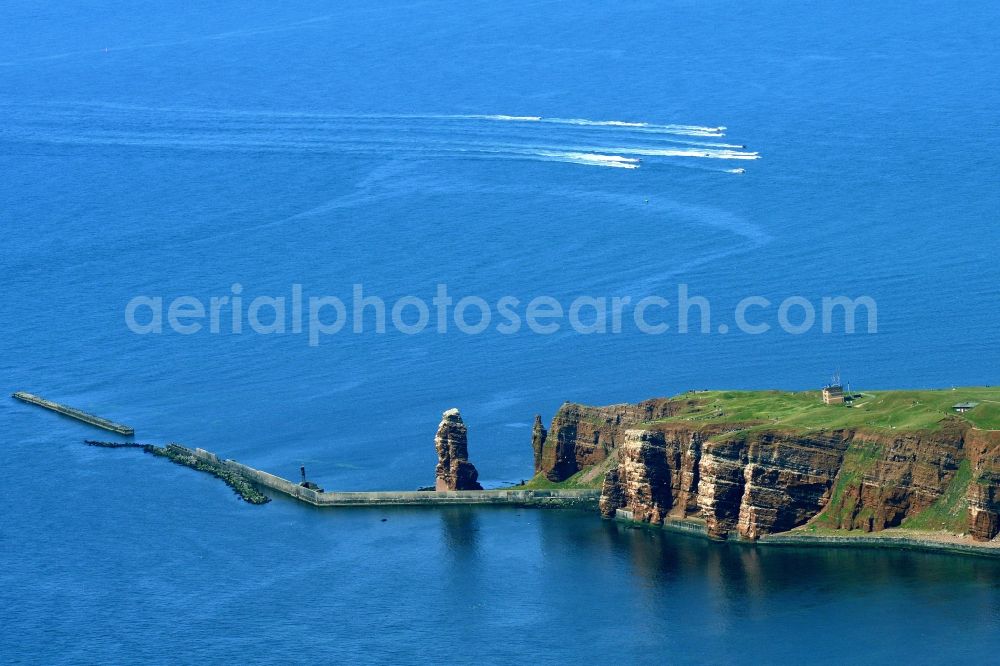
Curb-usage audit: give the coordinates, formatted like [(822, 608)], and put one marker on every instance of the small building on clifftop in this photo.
[(833, 394)]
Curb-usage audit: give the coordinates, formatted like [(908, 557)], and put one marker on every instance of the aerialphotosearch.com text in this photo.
[(319, 317)]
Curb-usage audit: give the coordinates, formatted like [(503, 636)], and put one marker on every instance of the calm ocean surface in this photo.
[(175, 152)]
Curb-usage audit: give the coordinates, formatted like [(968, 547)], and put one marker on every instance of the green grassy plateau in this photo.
[(907, 410), (805, 411)]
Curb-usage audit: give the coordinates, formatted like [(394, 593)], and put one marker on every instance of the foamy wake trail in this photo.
[(656, 128), (619, 144), (592, 159), (707, 133), (705, 144), (594, 123), (518, 119), (717, 154), (625, 123)]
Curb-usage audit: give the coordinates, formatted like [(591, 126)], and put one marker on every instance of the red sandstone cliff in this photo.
[(581, 436), (750, 480), (983, 496)]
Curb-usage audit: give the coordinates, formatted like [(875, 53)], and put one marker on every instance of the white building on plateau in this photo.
[(833, 394)]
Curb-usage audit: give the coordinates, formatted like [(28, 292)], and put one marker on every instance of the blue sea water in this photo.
[(174, 151)]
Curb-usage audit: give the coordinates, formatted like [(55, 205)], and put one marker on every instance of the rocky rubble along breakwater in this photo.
[(184, 456), (116, 445)]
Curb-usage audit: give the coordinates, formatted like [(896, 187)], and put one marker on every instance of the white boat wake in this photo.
[(595, 159), (619, 144)]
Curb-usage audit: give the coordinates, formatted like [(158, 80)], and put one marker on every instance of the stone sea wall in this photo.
[(582, 499)]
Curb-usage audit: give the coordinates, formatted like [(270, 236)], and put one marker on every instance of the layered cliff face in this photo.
[(582, 436), (759, 482), (983, 494), (889, 478), (454, 471), (753, 484), (657, 473), (753, 481)]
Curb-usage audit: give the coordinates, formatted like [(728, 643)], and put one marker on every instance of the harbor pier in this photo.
[(567, 498), (74, 413)]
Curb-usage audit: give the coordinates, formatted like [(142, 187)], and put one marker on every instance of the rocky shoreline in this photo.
[(888, 539), (891, 538)]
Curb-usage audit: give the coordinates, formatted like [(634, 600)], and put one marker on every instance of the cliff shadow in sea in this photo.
[(668, 558)]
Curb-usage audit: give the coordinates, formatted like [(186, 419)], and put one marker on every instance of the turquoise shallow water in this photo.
[(152, 151)]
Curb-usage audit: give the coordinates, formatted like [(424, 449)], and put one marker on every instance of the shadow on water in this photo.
[(746, 571), (460, 532), (657, 558)]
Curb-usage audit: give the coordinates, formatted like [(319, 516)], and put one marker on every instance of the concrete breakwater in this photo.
[(582, 499), (245, 481), (77, 414)]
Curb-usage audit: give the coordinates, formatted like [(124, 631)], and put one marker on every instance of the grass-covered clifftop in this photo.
[(736, 411), (906, 410)]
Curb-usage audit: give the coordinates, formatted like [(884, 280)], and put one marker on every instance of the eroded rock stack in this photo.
[(454, 471), (538, 435)]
